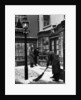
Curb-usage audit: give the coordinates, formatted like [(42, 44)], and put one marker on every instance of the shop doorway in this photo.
[(54, 45)]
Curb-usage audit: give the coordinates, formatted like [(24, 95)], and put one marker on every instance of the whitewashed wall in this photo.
[(54, 20)]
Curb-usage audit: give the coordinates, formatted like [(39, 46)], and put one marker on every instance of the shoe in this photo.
[(52, 77), (57, 80)]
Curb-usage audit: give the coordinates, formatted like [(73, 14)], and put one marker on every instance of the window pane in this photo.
[(52, 42), (60, 53), (19, 51), (57, 52), (57, 46), (47, 46), (57, 41), (52, 47), (46, 20)]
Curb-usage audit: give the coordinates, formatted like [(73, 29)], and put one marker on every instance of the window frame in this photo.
[(46, 21)]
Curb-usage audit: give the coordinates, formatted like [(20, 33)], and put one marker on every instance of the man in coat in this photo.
[(53, 60), (31, 55), (36, 53)]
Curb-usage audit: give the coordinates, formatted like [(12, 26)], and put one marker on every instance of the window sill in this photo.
[(47, 26)]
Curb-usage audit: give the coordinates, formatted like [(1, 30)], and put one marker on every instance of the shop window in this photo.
[(52, 45), (28, 48), (43, 44), (46, 44), (57, 47), (61, 45), (60, 53), (57, 52), (19, 51), (47, 47), (57, 42)]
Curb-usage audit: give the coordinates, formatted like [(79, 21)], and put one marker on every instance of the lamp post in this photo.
[(25, 26)]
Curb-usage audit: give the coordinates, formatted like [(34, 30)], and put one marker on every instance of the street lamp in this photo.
[(25, 26)]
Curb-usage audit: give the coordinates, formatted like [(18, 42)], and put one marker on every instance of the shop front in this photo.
[(56, 46), (20, 47), (43, 45), (52, 41), (57, 43)]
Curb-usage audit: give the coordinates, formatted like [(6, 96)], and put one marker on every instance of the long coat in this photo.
[(36, 52), (54, 61), (31, 56)]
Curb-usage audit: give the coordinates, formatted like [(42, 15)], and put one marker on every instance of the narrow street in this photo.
[(34, 73)]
